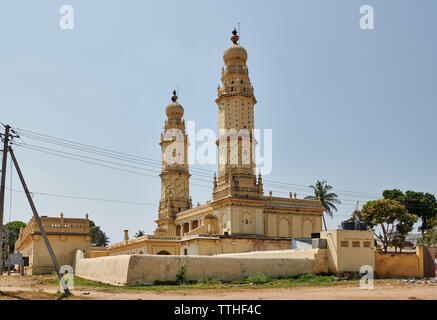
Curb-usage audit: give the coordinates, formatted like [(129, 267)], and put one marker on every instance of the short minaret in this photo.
[(175, 191)]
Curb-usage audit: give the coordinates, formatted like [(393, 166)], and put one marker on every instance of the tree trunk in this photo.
[(324, 222)]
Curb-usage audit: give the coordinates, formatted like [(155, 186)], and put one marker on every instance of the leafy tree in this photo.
[(429, 238), (322, 191), (424, 205), (13, 228), (393, 218), (98, 237), (140, 233)]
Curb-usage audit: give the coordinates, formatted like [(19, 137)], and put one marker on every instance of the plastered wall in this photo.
[(146, 269)]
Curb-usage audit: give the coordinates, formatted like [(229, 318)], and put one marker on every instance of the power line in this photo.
[(156, 164), (51, 139), (59, 154), (86, 198)]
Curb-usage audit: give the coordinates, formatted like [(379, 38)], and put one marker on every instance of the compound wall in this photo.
[(148, 269)]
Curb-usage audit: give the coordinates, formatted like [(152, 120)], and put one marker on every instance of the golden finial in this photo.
[(235, 37), (174, 98)]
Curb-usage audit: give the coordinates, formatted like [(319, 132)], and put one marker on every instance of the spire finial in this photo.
[(235, 37), (174, 98)]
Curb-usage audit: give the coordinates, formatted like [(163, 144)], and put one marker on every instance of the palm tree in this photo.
[(322, 193)]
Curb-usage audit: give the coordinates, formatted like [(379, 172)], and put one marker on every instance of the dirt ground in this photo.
[(41, 287)]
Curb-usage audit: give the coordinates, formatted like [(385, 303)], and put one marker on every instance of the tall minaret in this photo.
[(175, 191), (236, 144)]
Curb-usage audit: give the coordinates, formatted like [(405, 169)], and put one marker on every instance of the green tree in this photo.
[(393, 218), (322, 191), (13, 228), (429, 237), (423, 205), (140, 233), (98, 237)]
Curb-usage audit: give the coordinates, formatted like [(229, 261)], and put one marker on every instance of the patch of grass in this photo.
[(252, 281), (314, 279), (258, 278), (208, 281), (81, 282)]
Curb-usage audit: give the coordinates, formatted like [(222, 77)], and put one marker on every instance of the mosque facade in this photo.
[(239, 217)]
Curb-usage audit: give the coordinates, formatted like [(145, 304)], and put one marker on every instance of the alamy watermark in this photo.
[(234, 147), (367, 21), (66, 22), (67, 277), (366, 281)]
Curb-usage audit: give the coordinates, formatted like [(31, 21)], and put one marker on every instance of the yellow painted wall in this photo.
[(96, 254), (231, 245), (349, 258), (64, 247), (399, 265)]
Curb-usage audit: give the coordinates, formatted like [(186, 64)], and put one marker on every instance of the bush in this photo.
[(180, 277), (313, 278)]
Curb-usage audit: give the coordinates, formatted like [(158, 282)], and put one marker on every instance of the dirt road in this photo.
[(381, 291)]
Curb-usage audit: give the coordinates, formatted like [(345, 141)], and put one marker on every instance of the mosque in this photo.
[(241, 230), (239, 218)]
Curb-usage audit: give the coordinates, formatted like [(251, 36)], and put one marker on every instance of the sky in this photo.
[(354, 107)]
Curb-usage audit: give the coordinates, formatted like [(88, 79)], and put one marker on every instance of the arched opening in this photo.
[(195, 224), (186, 227), (163, 253), (178, 230), (284, 230), (307, 229), (140, 252)]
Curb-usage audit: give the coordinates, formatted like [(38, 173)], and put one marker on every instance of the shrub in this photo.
[(180, 276)]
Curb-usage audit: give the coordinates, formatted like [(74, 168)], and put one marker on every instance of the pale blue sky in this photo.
[(354, 107)]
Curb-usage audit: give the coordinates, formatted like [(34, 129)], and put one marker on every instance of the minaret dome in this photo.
[(235, 52), (174, 110)]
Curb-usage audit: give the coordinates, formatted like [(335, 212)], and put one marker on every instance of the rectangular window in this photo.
[(185, 252), (355, 244), (344, 244), (366, 244)]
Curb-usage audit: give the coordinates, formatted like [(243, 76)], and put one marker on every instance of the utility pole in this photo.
[(2, 188), (38, 221)]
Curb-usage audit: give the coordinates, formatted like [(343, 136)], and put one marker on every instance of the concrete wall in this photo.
[(64, 247), (146, 269), (348, 250), (111, 269), (400, 265)]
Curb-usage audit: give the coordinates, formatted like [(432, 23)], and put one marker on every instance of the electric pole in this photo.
[(2, 189), (38, 221)]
